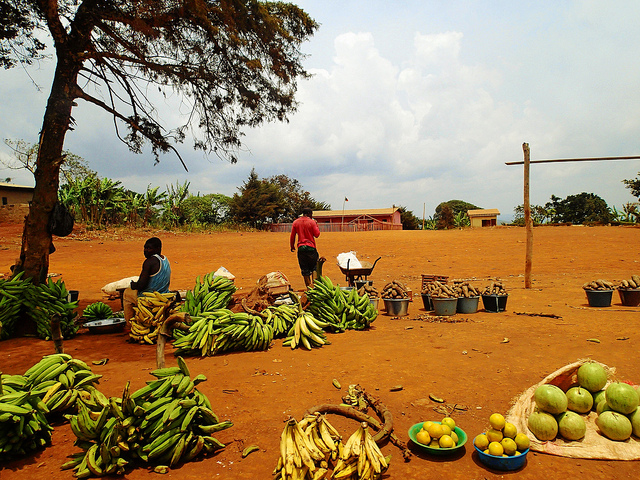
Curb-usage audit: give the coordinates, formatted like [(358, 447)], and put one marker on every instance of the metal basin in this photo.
[(108, 325)]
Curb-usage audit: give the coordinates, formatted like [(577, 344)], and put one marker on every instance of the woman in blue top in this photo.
[(154, 277)]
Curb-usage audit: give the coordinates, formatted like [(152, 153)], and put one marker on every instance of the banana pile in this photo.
[(11, 298), (48, 299), (306, 332), (23, 424), (152, 310), (64, 382), (339, 309), (222, 330), (97, 311), (19, 298), (165, 423), (208, 294), (395, 289), (360, 458), (313, 449), (306, 448), (282, 318), (495, 288)]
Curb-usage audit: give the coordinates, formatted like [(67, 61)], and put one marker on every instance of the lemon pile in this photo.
[(438, 434), (502, 439)]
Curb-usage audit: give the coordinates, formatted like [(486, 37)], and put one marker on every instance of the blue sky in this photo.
[(413, 103)]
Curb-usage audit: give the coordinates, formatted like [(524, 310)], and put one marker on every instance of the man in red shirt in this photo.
[(306, 228)]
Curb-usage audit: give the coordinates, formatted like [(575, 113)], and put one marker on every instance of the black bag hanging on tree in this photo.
[(61, 221)]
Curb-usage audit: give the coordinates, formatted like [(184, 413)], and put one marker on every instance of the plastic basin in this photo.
[(630, 297), (502, 463), (426, 301), (397, 307), (599, 298), (444, 306), (468, 305), (462, 439), (494, 303)]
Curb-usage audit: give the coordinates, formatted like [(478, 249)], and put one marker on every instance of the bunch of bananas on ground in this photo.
[(152, 310), (97, 311), (20, 298), (306, 332), (342, 310), (165, 423), (222, 331), (23, 424), (282, 318), (11, 298), (208, 294), (63, 382), (300, 457), (360, 458), (48, 299)]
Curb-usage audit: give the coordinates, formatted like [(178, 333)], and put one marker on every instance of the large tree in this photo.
[(259, 202), (294, 198), (234, 62), (577, 209)]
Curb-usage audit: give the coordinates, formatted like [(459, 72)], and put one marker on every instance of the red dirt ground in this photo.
[(467, 363)]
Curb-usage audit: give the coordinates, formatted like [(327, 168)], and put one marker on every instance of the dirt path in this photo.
[(465, 362)]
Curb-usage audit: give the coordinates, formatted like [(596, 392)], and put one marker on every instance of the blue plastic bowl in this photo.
[(462, 439), (502, 463)]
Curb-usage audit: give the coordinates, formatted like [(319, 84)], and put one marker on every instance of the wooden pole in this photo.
[(527, 219), (424, 207)]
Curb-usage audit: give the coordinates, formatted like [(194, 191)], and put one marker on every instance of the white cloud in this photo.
[(418, 104)]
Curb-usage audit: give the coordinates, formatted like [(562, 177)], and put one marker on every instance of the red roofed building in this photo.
[(352, 220)]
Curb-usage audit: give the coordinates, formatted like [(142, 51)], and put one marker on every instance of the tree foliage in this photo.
[(539, 214), (277, 199), (231, 64), (578, 209), (453, 213), (408, 219), (633, 184), (25, 156), (259, 202), (446, 217), (294, 198), (456, 207)]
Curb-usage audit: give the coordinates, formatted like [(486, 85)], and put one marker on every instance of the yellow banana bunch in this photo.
[(360, 457), (300, 457), (152, 310), (306, 332)]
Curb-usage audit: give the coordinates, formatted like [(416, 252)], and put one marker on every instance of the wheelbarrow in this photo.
[(353, 275)]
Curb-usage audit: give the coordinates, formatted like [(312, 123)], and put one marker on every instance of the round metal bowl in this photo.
[(108, 325)]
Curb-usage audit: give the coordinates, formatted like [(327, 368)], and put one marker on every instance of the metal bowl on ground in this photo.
[(398, 307), (107, 325)]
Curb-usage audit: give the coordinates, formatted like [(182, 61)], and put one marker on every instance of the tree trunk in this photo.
[(36, 238)]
